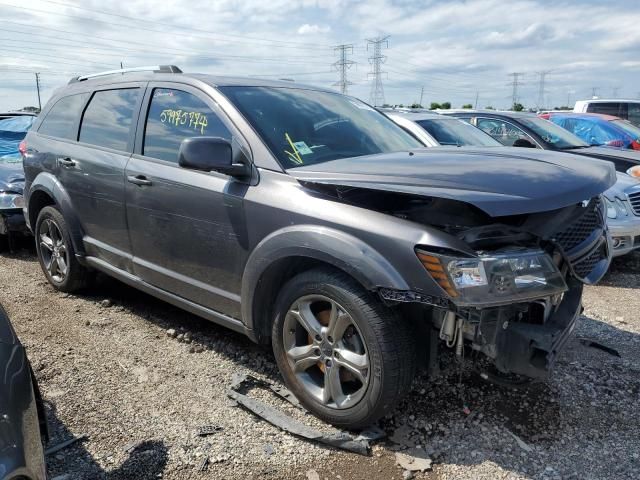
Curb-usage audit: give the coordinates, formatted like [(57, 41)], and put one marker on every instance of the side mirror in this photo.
[(210, 154), (523, 142)]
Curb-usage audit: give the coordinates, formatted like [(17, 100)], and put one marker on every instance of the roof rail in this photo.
[(156, 69)]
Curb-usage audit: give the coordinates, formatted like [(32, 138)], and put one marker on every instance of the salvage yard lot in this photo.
[(108, 369)]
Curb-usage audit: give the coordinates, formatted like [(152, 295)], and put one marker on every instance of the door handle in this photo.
[(139, 180), (66, 162)]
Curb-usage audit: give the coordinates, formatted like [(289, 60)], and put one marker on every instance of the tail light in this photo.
[(615, 143), (22, 148), (635, 144)]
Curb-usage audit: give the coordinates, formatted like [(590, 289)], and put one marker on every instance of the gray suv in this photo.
[(309, 220)]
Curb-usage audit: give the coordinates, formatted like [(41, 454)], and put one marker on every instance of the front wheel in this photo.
[(346, 357)]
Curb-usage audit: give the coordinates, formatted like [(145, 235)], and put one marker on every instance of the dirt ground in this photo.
[(109, 370)]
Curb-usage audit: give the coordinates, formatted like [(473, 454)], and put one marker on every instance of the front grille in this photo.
[(578, 238), (584, 266), (634, 200), (579, 231)]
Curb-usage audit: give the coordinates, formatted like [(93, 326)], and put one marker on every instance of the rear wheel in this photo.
[(56, 254), (346, 357)]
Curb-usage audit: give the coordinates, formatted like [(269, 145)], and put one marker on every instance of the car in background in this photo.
[(623, 214), (4, 115), (12, 224), (598, 129), (625, 109), (435, 130), (520, 129), (527, 130), (23, 426)]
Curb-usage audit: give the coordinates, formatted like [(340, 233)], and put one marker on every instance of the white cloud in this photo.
[(307, 29)]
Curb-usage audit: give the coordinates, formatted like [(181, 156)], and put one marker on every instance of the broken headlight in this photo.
[(495, 278), (11, 200)]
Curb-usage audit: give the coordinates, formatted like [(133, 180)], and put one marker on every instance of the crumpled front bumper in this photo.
[(12, 221), (531, 350)]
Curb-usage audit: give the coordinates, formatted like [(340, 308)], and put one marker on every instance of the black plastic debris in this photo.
[(206, 430), (587, 342), (65, 444), (337, 438)]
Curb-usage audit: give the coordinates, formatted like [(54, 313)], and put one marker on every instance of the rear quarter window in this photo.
[(61, 120)]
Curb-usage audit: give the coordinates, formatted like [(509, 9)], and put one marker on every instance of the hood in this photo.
[(624, 182), (609, 153), (505, 181), (11, 176)]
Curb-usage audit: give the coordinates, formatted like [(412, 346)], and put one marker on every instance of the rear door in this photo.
[(187, 227), (92, 173)]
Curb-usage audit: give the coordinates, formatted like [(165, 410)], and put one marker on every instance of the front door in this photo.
[(187, 227)]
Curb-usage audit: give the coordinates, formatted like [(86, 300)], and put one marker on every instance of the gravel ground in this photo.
[(108, 369)]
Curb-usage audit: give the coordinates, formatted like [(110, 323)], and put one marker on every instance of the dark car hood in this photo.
[(505, 181), (11, 176), (608, 153)]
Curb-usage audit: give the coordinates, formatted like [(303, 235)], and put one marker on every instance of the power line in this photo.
[(342, 65), (515, 84), (166, 24), (377, 91), (138, 27)]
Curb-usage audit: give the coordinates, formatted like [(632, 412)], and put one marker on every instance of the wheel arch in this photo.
[(47, 191), (292, 250)]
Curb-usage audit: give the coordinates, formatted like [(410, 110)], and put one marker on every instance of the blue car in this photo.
[(12, 132), (598, 129)]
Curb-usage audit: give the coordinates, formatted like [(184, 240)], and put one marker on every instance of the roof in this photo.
[(417, 116), (495, 113), (600, 116), (136, 75), (609, 100)]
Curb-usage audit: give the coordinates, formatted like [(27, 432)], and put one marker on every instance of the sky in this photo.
[(456, 51)]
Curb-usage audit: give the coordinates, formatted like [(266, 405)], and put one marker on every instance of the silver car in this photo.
[(623, 214)]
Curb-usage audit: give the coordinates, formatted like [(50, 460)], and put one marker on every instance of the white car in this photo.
[(625, 109)]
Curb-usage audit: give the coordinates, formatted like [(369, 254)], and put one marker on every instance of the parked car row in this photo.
[(317, 224), (508, 128)]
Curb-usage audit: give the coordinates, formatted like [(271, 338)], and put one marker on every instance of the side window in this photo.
[(108, 117), (634, 113), (62, 117), (173, 116), (504, 132), (611, 108)]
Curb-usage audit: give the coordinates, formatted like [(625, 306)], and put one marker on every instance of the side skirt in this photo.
[(168, 297)]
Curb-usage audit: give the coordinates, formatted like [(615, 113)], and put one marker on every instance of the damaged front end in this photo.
[(518, 303)]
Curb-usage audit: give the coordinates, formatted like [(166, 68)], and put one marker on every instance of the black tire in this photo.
[(391, 350), (77, 276), (4, 243)]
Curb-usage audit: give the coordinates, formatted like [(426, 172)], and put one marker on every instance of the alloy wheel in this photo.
[(53, 250), (326, 351)]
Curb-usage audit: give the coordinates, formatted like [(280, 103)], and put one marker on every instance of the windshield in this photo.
[(628, 127), (305, 127), (448, 131), (553, 135)]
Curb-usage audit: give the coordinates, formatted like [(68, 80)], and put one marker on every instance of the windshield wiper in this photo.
[(574, 147)]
